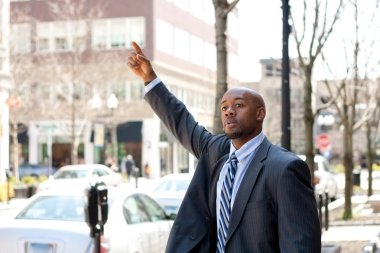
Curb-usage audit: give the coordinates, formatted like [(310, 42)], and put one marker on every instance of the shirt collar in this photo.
[(248, 148)]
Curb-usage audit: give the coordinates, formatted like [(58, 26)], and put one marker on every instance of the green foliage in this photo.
[(29, 180), (339, 168), (347, 215)]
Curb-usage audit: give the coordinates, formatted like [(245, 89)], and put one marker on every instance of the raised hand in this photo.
[(140, 65)]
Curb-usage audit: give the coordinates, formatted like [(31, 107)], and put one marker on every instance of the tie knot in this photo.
[(233, 163), (233, 158)]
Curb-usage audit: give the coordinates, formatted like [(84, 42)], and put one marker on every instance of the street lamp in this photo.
[(112, 104), (14, 103)]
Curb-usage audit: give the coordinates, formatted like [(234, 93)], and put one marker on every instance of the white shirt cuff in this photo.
[(151, 85)]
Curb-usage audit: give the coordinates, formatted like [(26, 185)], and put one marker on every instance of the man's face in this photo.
[(242, 114)]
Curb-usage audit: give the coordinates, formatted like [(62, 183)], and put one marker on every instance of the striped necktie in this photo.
[(225, 203)]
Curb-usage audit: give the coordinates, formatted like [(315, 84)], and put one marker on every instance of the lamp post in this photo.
[(285, 87), (14, 103), (112, 104)]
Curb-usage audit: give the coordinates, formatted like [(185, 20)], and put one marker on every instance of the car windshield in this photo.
[(68, 208), (69, 174), (171, 186)]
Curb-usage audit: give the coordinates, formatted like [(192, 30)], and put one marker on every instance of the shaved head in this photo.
[(242, 114)]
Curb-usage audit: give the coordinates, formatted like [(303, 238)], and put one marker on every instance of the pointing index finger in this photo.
[(137, 48)]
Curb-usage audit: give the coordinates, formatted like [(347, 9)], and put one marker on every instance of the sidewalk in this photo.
[(12, 204), (360, 234)]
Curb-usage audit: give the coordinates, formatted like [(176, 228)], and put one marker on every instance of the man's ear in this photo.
[(261, 113)]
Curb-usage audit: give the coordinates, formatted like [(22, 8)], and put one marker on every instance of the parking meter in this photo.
[(103, 202), (96, 210)]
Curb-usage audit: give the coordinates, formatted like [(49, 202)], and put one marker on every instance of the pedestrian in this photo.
[(247, 195), (147, 170), (129, 166)]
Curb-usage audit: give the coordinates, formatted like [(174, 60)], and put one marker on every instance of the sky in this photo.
[(260, 35)]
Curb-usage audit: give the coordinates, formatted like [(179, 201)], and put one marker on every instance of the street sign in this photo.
[(324, 141)]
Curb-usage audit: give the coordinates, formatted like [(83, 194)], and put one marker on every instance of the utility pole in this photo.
[(285, 89)]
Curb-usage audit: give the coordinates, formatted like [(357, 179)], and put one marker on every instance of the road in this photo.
[(7, 210)]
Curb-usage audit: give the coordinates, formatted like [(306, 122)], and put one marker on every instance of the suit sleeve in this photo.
[(175, 116), (299, 227)]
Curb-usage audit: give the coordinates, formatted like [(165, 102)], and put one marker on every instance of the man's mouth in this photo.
[(231, 122)]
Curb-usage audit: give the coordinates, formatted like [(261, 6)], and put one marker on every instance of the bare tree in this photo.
[(311, 33), (23, 106), (222, 9), (352, 91), (72, 66), (372, 127), (65, 78)]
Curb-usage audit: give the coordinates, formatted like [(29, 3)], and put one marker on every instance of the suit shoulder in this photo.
[(283, 156)]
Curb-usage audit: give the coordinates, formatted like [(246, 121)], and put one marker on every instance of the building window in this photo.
[(181, 44), (196, 50), (137, 91), (61, 36), (136, 31), (99, 34), (43, 37), (20, 38), (118, 33), (196, 8), (269, 70), (134, 91), (209, 56), (208, 12), (164, 36), (42, 44), (61, 44)]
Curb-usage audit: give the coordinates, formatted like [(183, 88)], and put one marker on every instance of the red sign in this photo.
[(323, 142)]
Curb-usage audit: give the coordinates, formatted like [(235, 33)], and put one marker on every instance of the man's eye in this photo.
[(224, 108), (238, 105)]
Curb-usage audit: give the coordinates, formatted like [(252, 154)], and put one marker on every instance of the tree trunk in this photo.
[(348, 168), (309, 121), (369, 158), (221, 57), (15, 151)]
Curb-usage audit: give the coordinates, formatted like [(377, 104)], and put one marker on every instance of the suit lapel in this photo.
[(214, 180), (246, 187)]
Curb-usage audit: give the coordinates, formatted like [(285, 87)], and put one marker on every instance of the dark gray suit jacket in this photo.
[(275, 209)]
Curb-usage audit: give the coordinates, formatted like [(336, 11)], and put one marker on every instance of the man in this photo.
[(246, 194)]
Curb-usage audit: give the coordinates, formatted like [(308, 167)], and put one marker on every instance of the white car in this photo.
[(54, 221), (324, 178), (170, 191), (81, 174)]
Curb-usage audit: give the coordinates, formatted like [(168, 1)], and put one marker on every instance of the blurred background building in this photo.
[(80, 103)]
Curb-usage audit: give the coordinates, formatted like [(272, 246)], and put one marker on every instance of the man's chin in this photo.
[(234, 135)]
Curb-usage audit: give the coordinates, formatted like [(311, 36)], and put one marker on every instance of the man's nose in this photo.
[(229, 111)]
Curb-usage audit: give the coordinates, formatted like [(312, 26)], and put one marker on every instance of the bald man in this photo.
[(247, 195)]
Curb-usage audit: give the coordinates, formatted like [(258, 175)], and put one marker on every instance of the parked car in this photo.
[(81, 174), (34, 170), (54, 221), (170, 191), (324, 178)]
